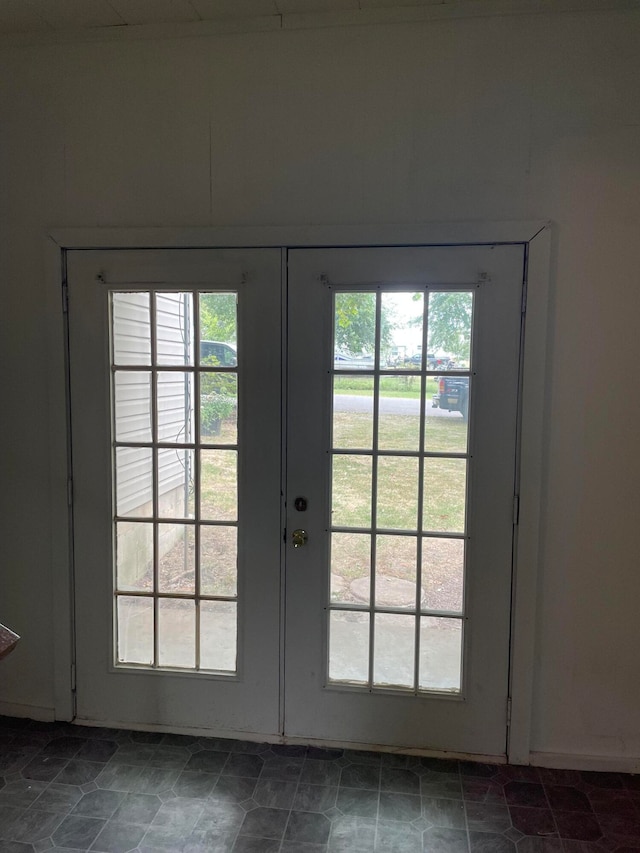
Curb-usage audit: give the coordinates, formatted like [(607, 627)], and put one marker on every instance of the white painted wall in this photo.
[(524, 117)]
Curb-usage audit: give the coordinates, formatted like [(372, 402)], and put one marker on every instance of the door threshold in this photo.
[(259, 737)]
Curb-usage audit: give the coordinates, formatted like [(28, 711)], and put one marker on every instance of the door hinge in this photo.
[(69, 491), (508, 711), (516, 509), (65, 297), (73, 677), (524, 296)]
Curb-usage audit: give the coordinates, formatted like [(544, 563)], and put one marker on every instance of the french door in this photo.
[(398, 603), (342, 573), (175, 375)]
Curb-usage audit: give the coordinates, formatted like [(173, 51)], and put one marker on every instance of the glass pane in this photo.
[(353, 412), (218, 560), (218, 635), (355, 331), (396, 558), (134, 556), (442, 574), (176, 471), (174, 328), (349, 646), (440, 653), (175, 407), (177, 558), (135, 630), (219, 485), (351, 567), (393, 660), (134, 481), (351, 493), (446, 425), (449, 332), (397, 492), (399, 413), (219, 408), (176, 632), (131, 328), (132, 406), (401, 334), (445, 489), (218, 329)]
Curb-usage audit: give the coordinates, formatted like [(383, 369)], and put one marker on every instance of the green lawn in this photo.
[(443, 505), (392, 386)]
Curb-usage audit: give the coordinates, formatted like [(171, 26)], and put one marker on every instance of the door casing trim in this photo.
[(537, 238)]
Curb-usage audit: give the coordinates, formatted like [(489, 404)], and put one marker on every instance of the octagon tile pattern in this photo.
[(66, 789)]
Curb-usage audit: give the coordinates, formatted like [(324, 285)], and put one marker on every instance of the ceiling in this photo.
[(30, 16)]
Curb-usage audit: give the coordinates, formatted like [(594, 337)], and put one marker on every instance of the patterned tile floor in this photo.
[(69, 788)]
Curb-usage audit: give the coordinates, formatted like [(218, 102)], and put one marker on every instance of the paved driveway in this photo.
[(388, 406)]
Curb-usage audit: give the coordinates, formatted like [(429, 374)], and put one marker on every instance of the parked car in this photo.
[(224, 355), (453, 395), (434, 362), (440, 362)]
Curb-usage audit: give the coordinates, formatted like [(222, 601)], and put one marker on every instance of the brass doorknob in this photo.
[(299, 538)]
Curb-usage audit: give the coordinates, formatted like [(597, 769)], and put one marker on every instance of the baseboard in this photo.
[(601, 763), (33, 712)]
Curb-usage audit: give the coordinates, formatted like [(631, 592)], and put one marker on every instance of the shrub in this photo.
[(214, 408)]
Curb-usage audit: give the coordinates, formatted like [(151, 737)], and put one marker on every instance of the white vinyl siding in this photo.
[(132, 347)]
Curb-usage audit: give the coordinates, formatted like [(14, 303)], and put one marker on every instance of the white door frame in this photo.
[(535, 236)]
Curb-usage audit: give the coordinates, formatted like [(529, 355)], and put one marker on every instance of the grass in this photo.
[(218, 485), (354, 430), (443, 506), (443, 510), (393, 386), (397, 505)]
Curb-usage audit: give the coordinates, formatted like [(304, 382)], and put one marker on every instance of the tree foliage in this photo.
[(218, 322), (218, 317), (355, 324), (450, 315)]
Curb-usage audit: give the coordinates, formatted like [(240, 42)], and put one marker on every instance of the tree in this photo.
[(355, 324), (450, 315), (218, 317), (218, 322)]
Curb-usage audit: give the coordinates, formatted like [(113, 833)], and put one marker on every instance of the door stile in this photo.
[(284, 361)]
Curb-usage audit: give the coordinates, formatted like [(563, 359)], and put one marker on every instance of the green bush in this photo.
[(214, 408)]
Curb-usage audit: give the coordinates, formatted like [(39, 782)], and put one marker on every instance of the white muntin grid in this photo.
[(417, 612), (192, 371)]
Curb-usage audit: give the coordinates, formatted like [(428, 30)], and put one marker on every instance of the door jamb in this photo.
[(535, 236)]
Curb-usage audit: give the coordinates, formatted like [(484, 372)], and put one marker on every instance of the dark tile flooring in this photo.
[(69, 788)]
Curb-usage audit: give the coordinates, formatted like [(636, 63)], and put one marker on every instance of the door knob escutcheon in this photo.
[(299, 538)]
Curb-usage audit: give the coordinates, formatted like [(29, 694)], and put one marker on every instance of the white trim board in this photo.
[(429, 12), (533, 404), (300, 236), (535, 235), (31, 712), (599, 763)]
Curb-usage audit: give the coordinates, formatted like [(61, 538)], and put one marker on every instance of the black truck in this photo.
[(453, 394)]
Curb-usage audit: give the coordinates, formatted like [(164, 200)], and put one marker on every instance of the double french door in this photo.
[(293, 491)]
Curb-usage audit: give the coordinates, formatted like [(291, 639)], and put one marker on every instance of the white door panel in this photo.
[(127, 671), (387, 705)]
